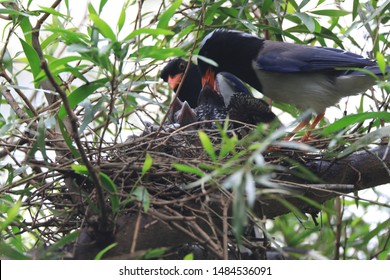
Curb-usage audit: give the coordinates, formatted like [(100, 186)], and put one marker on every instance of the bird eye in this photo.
[(182, 66)]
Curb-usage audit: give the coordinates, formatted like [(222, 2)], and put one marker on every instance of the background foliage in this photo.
[(102, 70)]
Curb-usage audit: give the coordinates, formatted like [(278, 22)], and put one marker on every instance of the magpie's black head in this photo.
[(231, 51), (191, 85), (173, 68)]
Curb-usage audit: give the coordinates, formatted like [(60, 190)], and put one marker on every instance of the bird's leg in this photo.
[(301, 125), (318, 118)]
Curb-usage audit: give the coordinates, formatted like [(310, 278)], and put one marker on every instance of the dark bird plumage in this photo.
[(173, 73), (210, 106), (305, 76), (241, 105)]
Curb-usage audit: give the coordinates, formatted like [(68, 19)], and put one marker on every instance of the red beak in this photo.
[(174, 81), (209, 78)]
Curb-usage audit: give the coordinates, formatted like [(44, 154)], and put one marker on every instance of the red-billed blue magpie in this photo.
[(305, 76)]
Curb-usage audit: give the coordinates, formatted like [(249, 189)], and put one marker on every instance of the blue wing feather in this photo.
[(285, 57)]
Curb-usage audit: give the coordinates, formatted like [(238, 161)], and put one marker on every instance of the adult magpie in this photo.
[(305, 76)]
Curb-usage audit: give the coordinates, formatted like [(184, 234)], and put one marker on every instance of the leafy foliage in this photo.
[(68, 88)]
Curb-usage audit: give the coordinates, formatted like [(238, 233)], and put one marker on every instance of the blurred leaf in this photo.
[(150, 31), (189, 257), (32, 57), (12, 213), (91, 9), (365, 140), (355, 9), (110, 186), (207, 60), (353, 119), (234, 180), (188, 169), (266, 6), (106, 182), (89, 113), (41, 139), (65, 240), (154, 253), (308, 21), (102, 4), (142, 195), (26, 27), (159, 53), (68, 140), (122, 18), (11, 253), (207, 144), (71, 36), (168, 14), (54, 12), (105, 250), (80, 94), (147, 164), (7, 61), (331, 13), (103, 27), (250, 189), (80, 169), (380, 59)]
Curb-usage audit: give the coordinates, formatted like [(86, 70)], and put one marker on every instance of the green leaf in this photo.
[(353, 119), (159, 53), (68, 139), (105, 250), (32, 57), (207, 144), (365, 140), (266, 6), (189, 257), (80, 169), (122, 18), (103, 27), (11, 253), (150, 31), (26, 27), (12, 213), (355, 9), (168, 14), (41, 137), (147, 164), (64, 241), (308, 21), (91, 9), (110, 186), (53, 12), (107, 183), (101, 6), (71, 36), (188, 169), (80, 94), (331, 13), (380, 59), (142, 195)]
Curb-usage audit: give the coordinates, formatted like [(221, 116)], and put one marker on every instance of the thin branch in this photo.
[(93, 172)]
